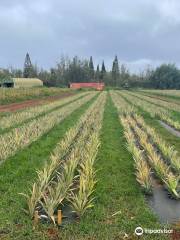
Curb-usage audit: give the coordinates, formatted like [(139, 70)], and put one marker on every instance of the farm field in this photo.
[(166, 93), (11, 95), (107, 161)]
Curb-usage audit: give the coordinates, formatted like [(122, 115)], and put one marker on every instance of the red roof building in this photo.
[(97, 86)]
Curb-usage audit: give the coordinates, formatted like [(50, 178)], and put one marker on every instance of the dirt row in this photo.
[(34, 102)]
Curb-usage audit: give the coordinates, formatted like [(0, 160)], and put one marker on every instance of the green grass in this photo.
[(117, 189), (17, 172)]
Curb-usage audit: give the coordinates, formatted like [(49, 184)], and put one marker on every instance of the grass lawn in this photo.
[(120, 205)]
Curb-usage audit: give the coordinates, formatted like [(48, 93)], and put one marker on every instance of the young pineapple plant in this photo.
[(42, 183), (143, 176), (144, 143), (172, 182), (19, 117), (81, 198), (59, 177), (124, 108), (59, 188), (160, 167), (169, 153), (25, 134), (162, 170), (143, 172), (32, 199)]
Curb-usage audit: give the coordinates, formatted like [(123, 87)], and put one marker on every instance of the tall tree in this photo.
[(53, 77), (45, 76), (103, 72), (97, 74), (16, 73), (61, 71), (124, 76), (91, 69), (28, 67), (4, 74), (167, 76), (115, 72)]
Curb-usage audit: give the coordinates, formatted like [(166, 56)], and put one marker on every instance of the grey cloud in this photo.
[(140, 32)]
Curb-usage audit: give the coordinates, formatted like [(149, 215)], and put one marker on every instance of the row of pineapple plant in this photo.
[(146, 106), (165, 92), (155, 111), (19, 117), (121, 104), (81, 198), (142, 169), (70, 176), (170, 155), (143, 142), (22, 136), (155, 159), (162, 112), (168, 105)]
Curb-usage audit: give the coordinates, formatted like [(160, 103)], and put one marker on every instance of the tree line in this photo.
[(68, 70)]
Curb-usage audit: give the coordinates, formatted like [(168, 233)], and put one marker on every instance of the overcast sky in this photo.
[(140, 32)]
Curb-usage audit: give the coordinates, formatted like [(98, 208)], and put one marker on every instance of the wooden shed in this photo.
[(95, 85)]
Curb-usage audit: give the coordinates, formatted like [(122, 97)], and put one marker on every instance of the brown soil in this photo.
[(53, 233), (34, 102)]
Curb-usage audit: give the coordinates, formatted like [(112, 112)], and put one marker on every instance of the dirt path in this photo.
[(34, 102), (170, 129)]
